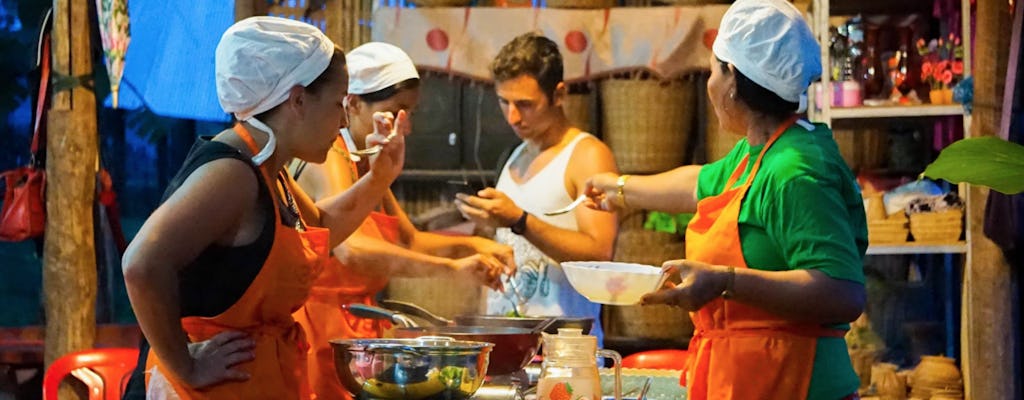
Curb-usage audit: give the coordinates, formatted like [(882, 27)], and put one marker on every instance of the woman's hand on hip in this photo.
[(699, 284), (213, 360)]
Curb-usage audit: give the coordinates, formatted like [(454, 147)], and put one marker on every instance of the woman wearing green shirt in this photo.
[(773, 268)]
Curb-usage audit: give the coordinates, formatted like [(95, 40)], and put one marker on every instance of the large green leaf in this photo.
[(987, 161)]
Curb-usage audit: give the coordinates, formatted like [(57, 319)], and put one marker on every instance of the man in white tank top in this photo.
[(546, 172)]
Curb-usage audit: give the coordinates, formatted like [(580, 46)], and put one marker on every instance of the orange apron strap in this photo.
[(246, 137)]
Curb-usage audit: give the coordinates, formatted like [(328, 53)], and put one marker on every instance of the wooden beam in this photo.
[(987, 338), (69, 256)]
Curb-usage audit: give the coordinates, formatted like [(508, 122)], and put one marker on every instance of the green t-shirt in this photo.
[(803, 211)]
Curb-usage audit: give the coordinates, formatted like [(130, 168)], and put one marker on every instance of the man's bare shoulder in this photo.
[(591, 149)]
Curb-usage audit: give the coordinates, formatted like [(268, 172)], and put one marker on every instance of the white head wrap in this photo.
[(770, 42), (259, 60), (375, 66)]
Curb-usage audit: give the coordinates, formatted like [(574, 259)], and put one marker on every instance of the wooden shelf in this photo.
[(917, 248), (925, 110)]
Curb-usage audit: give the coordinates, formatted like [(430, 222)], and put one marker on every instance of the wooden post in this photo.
[(69, 258), (987, 339)]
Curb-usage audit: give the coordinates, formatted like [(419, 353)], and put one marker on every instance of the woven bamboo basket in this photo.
[(642, 246), (649, 322), (647, 123), (887, 231), (637, 245), (317, 18), (577, 109), (442, 296), (718, 141), (582, 3), (846, 140), (442, 3), (872, 148), (937, 227)]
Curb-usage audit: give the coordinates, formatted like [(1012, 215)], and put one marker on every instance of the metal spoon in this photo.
[(518, 300), (644, 389), (570, 207), (357, 155)]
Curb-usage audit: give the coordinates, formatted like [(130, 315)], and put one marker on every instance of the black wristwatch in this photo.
[(519, 227)]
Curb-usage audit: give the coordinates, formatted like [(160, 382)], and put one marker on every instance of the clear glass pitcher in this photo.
[(569, 371)]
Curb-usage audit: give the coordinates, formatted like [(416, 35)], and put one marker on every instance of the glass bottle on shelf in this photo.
[(870, 71)]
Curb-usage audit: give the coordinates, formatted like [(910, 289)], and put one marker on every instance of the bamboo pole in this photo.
[(69, 256), (987, 338)]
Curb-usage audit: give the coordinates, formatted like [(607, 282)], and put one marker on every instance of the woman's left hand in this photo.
[(700, 283), (489, 207)]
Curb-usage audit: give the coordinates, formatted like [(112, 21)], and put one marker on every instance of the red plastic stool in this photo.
[(104, 371), (656, 359)]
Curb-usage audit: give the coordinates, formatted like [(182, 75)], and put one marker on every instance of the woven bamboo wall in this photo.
[(346, 22)]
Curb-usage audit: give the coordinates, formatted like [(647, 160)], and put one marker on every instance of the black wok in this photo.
[(528, 322)]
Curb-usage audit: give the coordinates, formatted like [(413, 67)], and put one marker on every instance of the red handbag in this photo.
[(23, 215)]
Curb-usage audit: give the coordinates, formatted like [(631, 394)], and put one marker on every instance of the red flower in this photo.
[(947, 77), (926, 69), (958, 67), (942, 66)]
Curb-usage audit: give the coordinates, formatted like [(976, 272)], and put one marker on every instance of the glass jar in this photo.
[(569, 370)]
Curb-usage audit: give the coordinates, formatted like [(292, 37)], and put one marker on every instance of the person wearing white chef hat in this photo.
[(773, 267), (216, 271), (381, 78)]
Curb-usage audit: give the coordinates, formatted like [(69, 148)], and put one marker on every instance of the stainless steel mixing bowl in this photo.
[(425, 368)]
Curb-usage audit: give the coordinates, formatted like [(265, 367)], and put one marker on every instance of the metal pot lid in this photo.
[(424, 343)]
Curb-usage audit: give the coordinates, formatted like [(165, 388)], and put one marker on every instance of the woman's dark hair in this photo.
[(390, 91), (530, 54), (757, 97)]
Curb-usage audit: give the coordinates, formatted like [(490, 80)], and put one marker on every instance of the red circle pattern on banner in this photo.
[(437, 40), (709, 37), (576, 41)]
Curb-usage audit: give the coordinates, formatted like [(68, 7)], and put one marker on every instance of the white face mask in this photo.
[(267, 150)]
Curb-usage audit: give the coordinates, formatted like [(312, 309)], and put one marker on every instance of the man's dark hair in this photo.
[(757, 97), (530, 54)]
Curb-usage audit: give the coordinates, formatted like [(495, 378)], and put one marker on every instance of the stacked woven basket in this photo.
[(936, 378)]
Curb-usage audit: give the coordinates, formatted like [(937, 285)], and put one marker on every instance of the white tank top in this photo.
[(540, 278)]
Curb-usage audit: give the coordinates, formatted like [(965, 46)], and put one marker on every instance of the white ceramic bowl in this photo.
[(613, 283)]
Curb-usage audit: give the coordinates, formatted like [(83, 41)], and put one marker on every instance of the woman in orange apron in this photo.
[(382, 78), (216, 272), (773, 267)]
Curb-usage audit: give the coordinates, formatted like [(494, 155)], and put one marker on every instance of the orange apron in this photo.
[(323, 318), (265, 312), (739, 351)]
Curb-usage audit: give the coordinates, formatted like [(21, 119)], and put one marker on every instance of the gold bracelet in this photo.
[(621, 188)]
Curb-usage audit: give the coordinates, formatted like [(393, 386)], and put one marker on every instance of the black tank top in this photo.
[(218, 278)]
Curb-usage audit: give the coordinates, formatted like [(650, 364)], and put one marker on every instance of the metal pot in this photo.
[(418, 369), (527, 322), (514, 348)]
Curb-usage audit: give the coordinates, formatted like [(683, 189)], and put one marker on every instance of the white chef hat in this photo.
[(375, 66), (770, 42), (259, 59)]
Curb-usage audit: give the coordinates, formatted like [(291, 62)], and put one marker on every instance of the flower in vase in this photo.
[(947, 77), (927, 69), (958, 67)]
